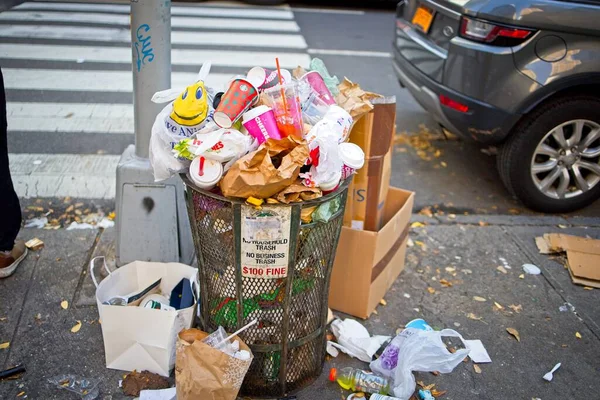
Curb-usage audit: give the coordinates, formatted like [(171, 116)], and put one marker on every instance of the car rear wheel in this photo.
[(551, 162)]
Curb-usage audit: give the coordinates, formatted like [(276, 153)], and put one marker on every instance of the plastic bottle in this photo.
[(359, 381)]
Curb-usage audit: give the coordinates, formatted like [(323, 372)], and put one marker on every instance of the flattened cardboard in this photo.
[(367, 263)]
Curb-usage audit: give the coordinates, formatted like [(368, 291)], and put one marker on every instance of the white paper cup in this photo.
[(212, 172), (353, 158), (330, 186)]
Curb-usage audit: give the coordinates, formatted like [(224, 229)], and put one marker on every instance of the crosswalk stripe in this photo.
[(176, 22), (77, 117), (95, 81), (60, 175), (122, 35), (175, 10), (123, 55)]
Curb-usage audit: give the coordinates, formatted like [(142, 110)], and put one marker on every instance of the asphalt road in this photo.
[(353, 42)]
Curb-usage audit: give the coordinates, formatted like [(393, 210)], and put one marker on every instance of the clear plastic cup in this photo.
[(289, 120)]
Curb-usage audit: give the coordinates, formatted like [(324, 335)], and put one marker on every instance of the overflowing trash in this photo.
[(354, 340), (271, 134)]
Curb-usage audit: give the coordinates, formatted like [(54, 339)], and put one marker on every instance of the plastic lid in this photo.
[(352, 155), (332, 184), (332, 374), (257, 76), (254, 112), (212, 172), (222, 119)]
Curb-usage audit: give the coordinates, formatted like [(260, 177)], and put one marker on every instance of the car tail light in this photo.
[(453, 104), (498, 35)]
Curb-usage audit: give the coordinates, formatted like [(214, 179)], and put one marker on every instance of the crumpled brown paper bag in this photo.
[(354, 100), (298, 192), (203, 372), (255, 174)]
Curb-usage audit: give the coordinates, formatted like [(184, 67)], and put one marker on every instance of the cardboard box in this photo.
[(367, 263)]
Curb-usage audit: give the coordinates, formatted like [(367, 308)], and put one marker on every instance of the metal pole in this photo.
[(151, 48)]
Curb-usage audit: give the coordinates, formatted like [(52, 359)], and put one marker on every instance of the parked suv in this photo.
[(521, 74)]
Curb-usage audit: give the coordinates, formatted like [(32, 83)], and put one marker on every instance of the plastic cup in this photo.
[(240, 95), (314, 109), (208, 176), (264, 78), (289, 121), (330, 186), (353, 158), (315, 80), (261, 124)]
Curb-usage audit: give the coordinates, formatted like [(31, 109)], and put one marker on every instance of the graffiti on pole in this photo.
[(143, 46)]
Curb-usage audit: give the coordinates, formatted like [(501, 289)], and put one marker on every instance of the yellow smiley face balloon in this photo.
[(191, 107)]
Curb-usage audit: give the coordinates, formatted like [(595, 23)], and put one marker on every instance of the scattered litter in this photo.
[(504, 262), (498, 306), (548, 377), (34, 244), (516, 308), (354, 340), (522, 276), (64, 304), (425, 395), (562, 226), (11, 372), (474, 317), (502, 269), (383, 302), (135, 382), (38, 223), (407, 295), (531, 269), (4, 345), (417, 225), (478, 298), (457, 324), (87, 388), (567, 307), (466, 271), (478, 353), (514, 333), (431, 290), (476, 369), (588, 288), (76, 328), (21, 394), (578, 335), (161, 394), (450, 269)]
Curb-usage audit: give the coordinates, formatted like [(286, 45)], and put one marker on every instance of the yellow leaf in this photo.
[(4, 345), (375, 312), (502, 269), (20, 394), (77, 327), (443, 164), (451, 216), (498, 306), (514, 333), (422, 245), (516, 308), (2, 319), (476, 369), (522, 276), (445, 283), (435, 393), (431, 290), (588, 288), (561, 226), (64, 304), (483, 223), (477, 298), (383, 302), (578, 335), (450, 269), (429, 387), (417, 225), (473, 316), (111, 216)]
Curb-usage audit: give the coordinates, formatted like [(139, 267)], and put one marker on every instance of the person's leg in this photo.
[(11, 253)]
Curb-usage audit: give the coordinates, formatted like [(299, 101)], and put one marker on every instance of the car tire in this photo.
[(515, 156)]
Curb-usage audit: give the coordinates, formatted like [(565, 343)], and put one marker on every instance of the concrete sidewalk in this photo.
[(457, 249)]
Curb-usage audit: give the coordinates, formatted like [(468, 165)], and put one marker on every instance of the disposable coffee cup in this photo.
[(315, 80), (330, 186), (264, 78), (238, 98), (285, 102), (205, 173), (261, 124), (353, 158)]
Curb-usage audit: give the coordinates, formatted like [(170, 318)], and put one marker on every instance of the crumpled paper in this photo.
[(298, 192), (354, 340), (354, 100), (266, 171)]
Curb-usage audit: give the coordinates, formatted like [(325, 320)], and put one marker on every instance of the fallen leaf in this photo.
[(578, 335), (38, 317), (443, 164), (420, 383), (417, 225), (383, 302), (451, 216), (477, 298), (429, 387), (21, 394), (77, 327), (77, 205), (483, 223), (358, 395), (70, 208), (431, 290), (588, 288), (426, 211), (435, 393), (499, 306), (502, 269), (466, 271), (513, 211), (564, 346), (4, 345), (516, 308), (2, 319), (476, 369), (64, 304), (522, 276), (375, 312), (514, 333), (561, 226), (474, 317), (422, 245), (445, 283), (450, 269)]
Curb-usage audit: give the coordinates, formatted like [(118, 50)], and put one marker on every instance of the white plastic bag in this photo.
[(421, 351), (354, 340)]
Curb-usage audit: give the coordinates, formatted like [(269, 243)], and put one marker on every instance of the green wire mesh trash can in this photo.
[(265, 263)]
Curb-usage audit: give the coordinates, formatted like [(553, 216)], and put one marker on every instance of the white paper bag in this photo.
[(142, 338)]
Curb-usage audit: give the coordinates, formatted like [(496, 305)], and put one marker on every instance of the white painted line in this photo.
[(122, 35), (175, 10), (61, 175), (247, 59), (351, 53), (95, 81), (176, 22), (327, 11), (83, 118)]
